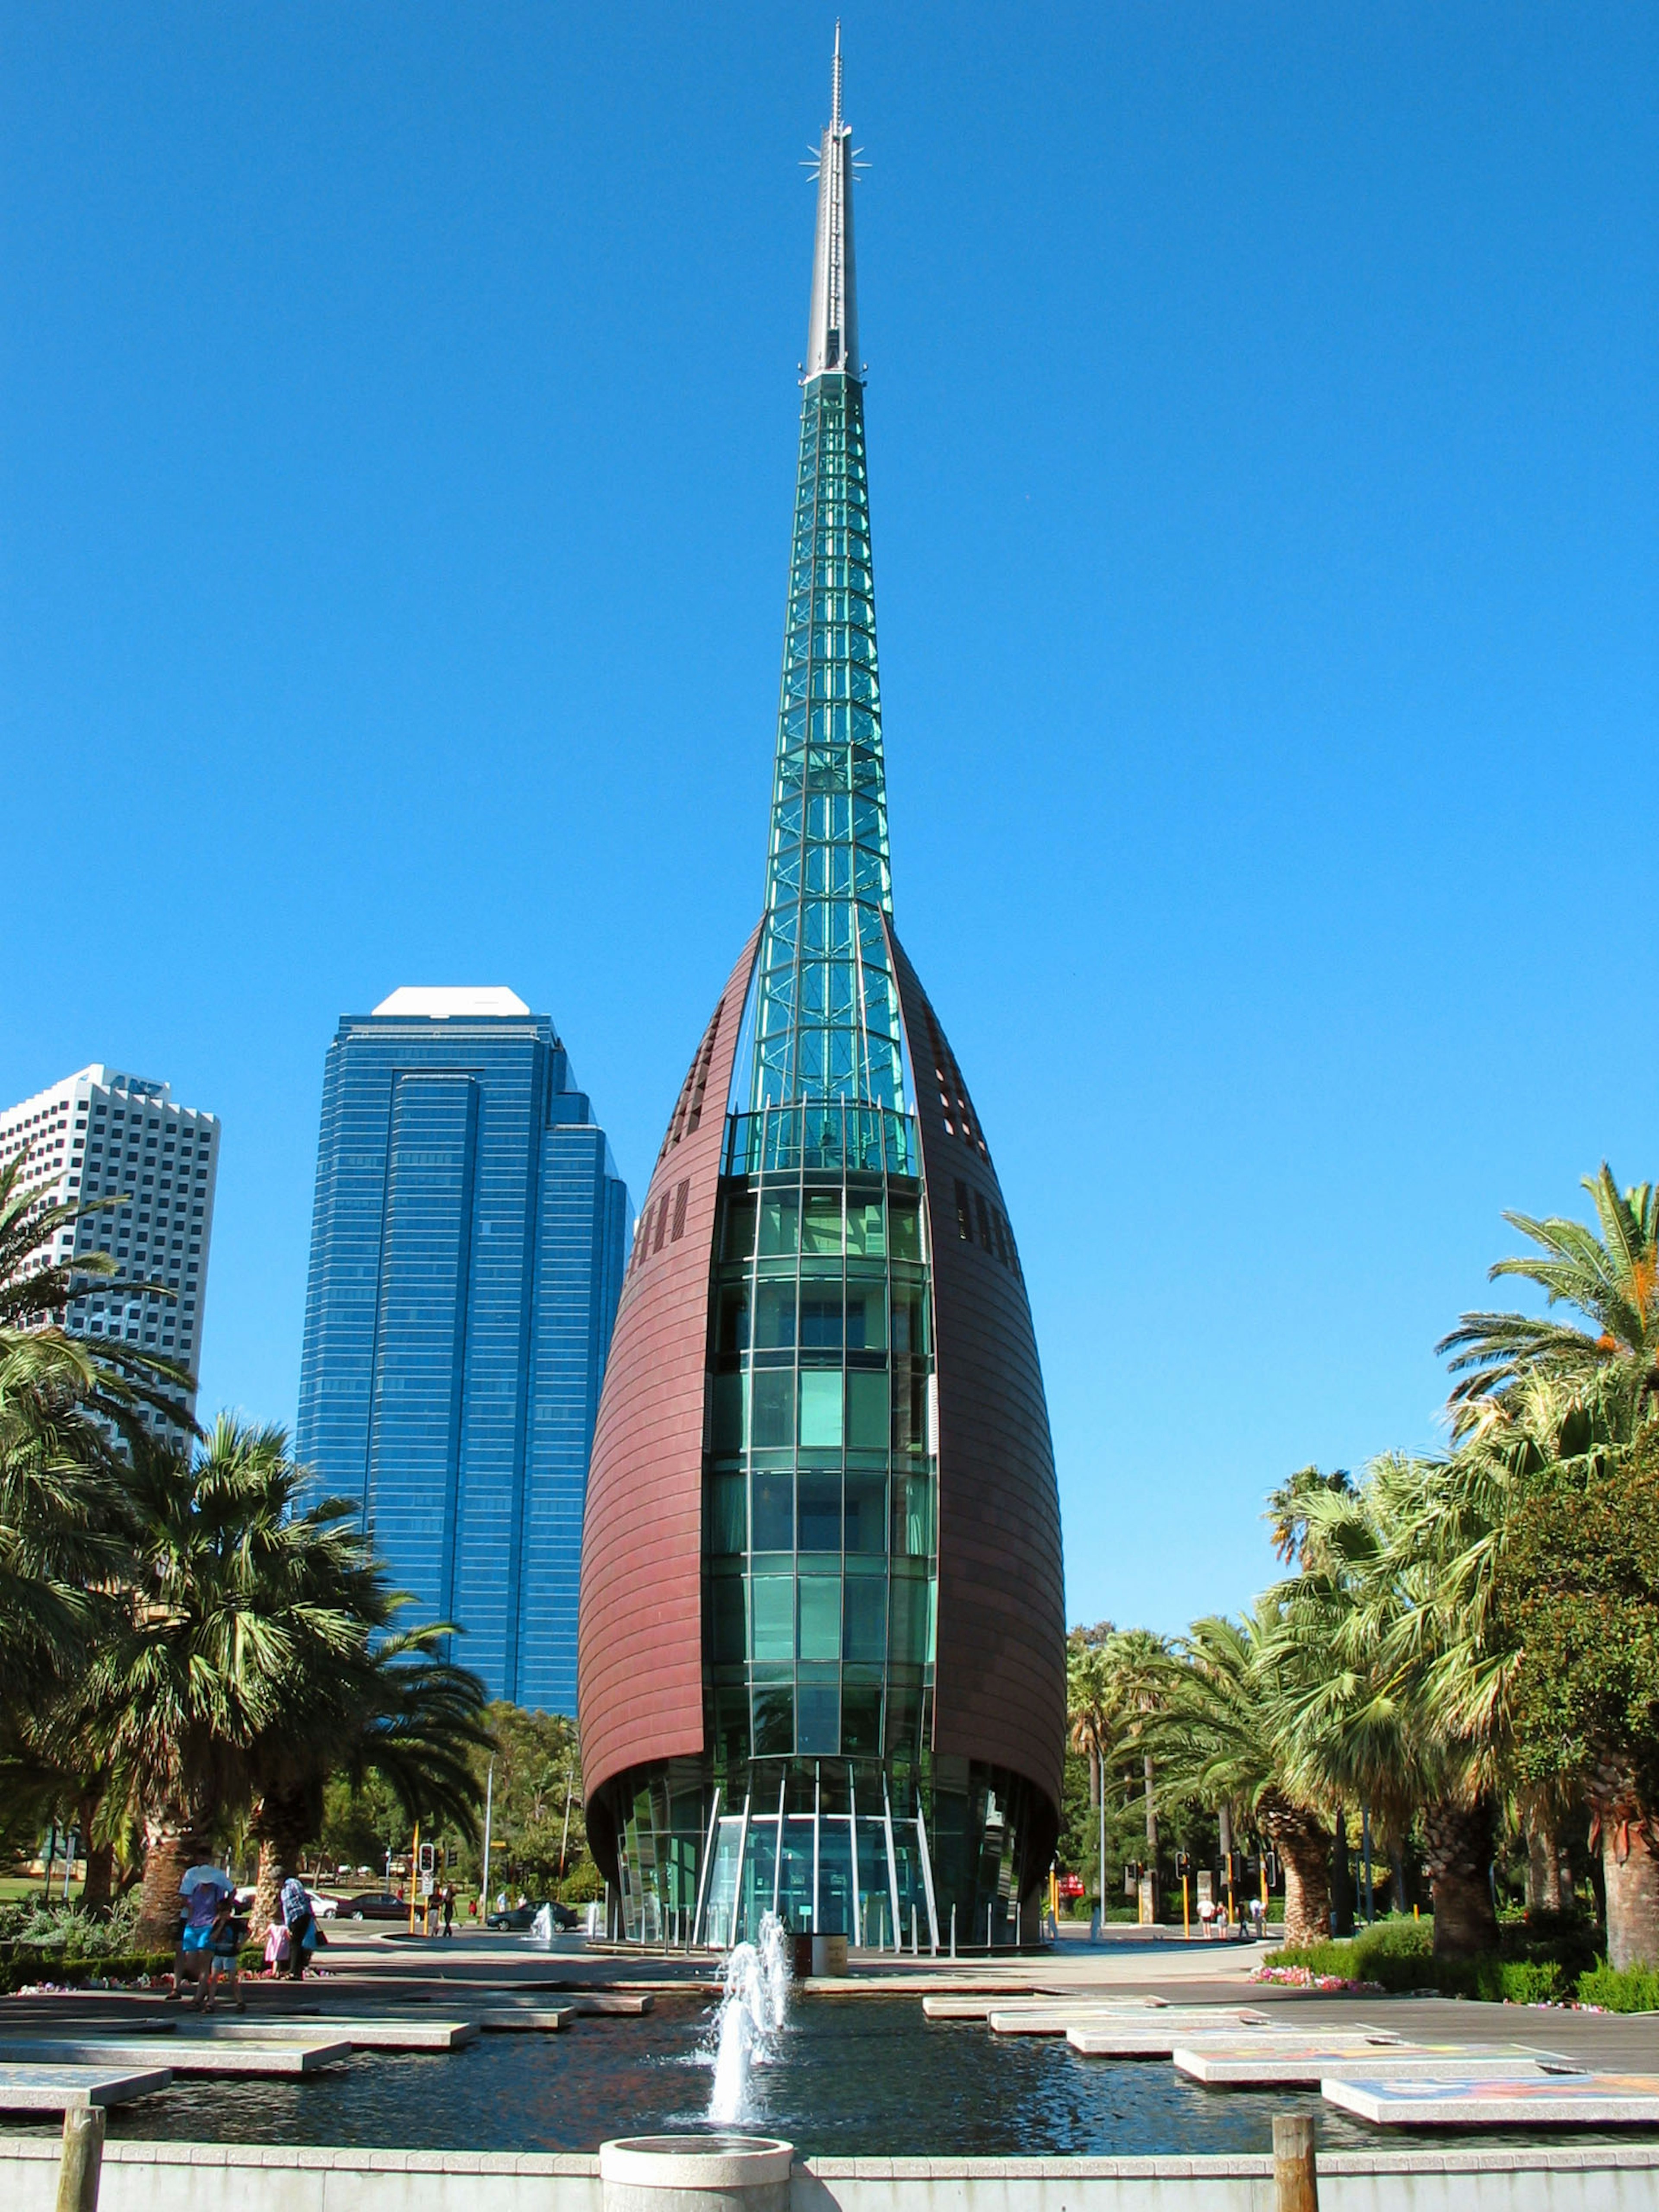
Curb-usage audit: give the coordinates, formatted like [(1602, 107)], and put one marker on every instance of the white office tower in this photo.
[(150, 1166)]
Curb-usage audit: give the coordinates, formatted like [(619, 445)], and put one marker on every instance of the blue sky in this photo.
[(398, 436)]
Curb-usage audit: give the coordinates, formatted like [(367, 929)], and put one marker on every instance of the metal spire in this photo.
[(832, 338)]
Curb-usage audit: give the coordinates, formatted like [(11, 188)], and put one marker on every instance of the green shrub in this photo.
[(1533, 1981), (1399, 1955), (38, 1965), (67, 1930), (1631, 1989)]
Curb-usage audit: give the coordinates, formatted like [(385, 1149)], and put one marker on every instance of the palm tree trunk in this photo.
[(1630, 1867), (1341, 1878), (99, 1857), (1543, 1866), (1303, 1845), (175, 1838), (1151, 1833), (282, 1823), (1459, 1837)]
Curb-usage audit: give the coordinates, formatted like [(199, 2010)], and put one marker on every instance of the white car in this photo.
[(326, 1908)]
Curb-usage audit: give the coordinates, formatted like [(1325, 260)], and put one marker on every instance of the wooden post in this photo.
[(1296, 2187), (82, 2160)]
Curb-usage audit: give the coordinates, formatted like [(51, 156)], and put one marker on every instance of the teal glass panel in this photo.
[(865, 1515), (820, 1616), (730, 1428), (772, 1417), (772, 1606), (867, 1409), (728, 1626), (730, 1531), (773, 1528), (817, 1716), (865, 1632), (820, 1513), (820, 1409), (774, 1716)]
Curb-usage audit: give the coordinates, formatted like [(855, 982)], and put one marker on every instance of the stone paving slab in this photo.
[(1159, 2037), (521, 2020), (181, 2054), (62, 2088), (982, 2005), (1288, 2062), (1448, 2099), (1165, 2020), (379, 2034), (604, 2004)]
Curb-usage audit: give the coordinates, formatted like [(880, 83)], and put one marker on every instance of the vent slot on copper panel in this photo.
[(682, 1193), (695, 1116)]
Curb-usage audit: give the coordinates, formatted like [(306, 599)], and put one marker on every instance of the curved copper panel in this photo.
[(640, 1639), (1000, 1675)]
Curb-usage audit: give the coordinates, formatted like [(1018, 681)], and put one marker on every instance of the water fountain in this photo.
[(753, 2012)]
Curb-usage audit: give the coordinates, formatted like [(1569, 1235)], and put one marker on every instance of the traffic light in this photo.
[(429, 1859), (1183, 1866)]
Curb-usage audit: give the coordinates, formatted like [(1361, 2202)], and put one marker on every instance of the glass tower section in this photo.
[(467, 1246), (819, 1513), (815, 1787)]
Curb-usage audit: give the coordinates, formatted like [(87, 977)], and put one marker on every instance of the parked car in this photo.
[(373, 1905), (524, 1915)]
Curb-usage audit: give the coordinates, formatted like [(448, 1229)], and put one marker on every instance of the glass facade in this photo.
[(820, 1794), (467, 1246)]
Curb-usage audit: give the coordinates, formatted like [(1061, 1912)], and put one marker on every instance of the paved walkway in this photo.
[(368, 1970)]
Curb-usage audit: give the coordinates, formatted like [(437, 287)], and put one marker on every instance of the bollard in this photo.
[(82, 2160), (696, 2173), (1296, 2186)]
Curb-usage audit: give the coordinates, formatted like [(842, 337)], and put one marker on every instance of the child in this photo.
[(276, 1948), (225, 1948)]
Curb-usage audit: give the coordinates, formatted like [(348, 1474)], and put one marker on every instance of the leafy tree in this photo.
[(538, 1760), (362, 1824), (1578, 1591)]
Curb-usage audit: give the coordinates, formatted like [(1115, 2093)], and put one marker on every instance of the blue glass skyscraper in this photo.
[(466, 1254)]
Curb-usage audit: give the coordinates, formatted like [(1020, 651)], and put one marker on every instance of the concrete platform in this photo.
[(1289, 2062), (1164, 2020), (1476, 2101), (64, 2088), (613, 2002), (1152, 2039), (1058, 2018), (362, 2034), (982, 2005), (522, 2020), (182, 2054)]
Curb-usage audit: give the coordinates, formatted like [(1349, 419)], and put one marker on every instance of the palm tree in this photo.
[(1138, 1667), (1222, 1741), (1092, 1718), (117, 1380), (57, 1503), (232, 1588), (395, 1707), (1392, 1702), (1612, 1280)]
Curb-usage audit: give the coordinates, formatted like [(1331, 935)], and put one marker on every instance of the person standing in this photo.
[(449, 1908), (300, 1923)]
